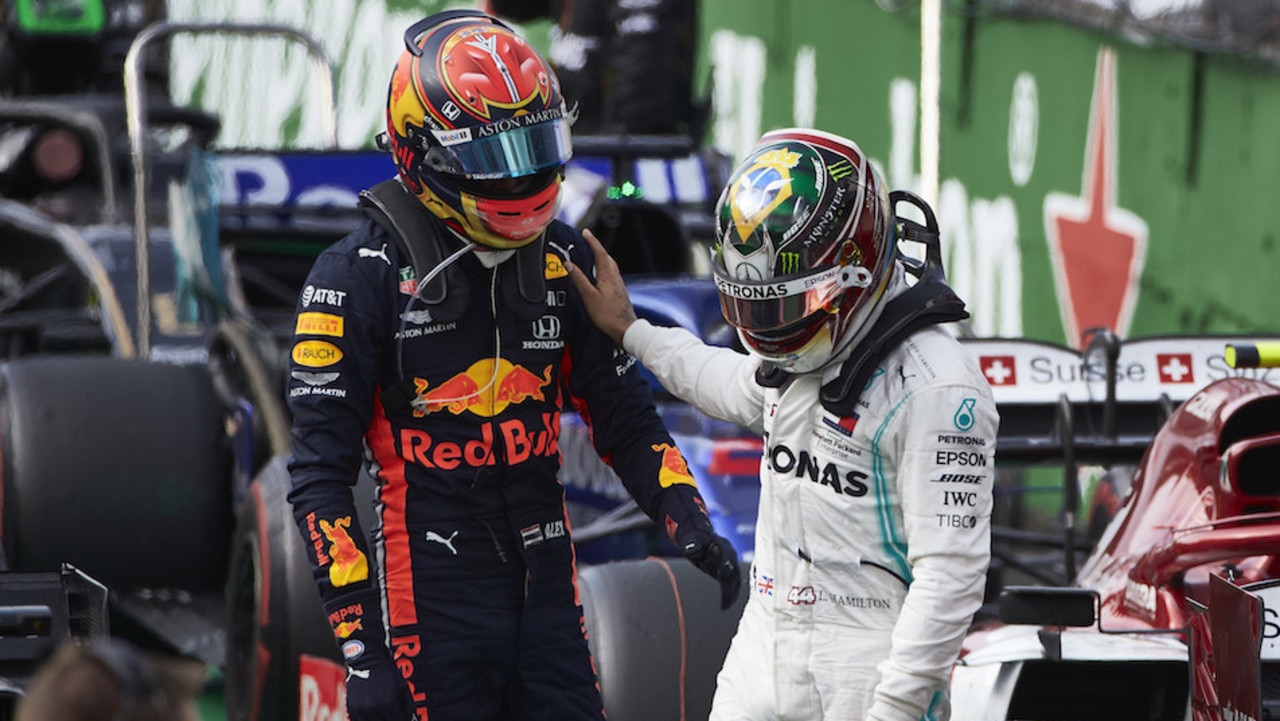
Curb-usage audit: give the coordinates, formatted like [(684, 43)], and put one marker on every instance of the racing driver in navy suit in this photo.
[(439, 344)]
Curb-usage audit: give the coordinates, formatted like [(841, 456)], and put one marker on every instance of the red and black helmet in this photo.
[(478, 127), (805, 247)]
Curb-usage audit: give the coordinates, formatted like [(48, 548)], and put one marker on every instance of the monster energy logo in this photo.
[(788, 263), (840, 170)]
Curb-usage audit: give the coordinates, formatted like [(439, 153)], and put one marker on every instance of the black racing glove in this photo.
[(684, 516), (375, 689)]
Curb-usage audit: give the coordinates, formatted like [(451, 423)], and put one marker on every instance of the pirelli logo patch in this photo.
[(319, 324)]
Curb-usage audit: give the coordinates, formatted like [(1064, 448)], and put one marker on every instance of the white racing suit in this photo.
[(873, 538)]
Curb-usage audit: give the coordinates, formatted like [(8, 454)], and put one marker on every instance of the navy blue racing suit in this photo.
[(469, 579)]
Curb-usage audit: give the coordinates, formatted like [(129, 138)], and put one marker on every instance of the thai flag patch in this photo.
[(531, 535)]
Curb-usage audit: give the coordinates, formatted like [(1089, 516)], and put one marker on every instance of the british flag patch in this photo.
[(764, 586)]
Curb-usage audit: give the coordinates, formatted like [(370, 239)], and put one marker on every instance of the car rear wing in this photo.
[(1099, 405), (1103, 403)]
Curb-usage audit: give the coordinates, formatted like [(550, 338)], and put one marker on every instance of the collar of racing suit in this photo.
[(929, 302), (493, 258)]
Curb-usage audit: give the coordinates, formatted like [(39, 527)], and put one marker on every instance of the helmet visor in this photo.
[(494, 151), (772, 304)]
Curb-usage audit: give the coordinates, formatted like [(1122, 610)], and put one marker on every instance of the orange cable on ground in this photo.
[(684, 655)]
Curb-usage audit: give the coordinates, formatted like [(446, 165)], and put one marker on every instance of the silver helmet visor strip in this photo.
[(767, 305)]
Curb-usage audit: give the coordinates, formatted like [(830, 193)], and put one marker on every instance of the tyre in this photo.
[(274, 612), (658, 637), (117, 466), (276, 629)]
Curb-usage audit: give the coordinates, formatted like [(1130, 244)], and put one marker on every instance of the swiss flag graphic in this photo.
[(999, 370), (1097, 249), (1175, 368)]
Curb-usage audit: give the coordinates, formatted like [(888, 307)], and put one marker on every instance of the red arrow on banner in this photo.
[(1097, 249)]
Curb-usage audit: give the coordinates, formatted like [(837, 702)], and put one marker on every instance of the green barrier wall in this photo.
[(1084, 179), (1174, 226)]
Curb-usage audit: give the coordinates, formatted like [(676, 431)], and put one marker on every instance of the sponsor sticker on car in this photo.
[(1270, 596)]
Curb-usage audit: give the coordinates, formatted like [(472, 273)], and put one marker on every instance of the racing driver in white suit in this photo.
[(873, 538)]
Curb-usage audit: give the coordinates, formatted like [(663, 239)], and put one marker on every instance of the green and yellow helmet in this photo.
[(805, 246)]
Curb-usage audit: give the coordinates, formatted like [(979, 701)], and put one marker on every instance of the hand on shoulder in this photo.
[(606, 299)]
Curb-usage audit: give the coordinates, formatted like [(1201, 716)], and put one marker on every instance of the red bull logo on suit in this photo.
[(483, 389), (518, 443), (674, 467), (349, 564)]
